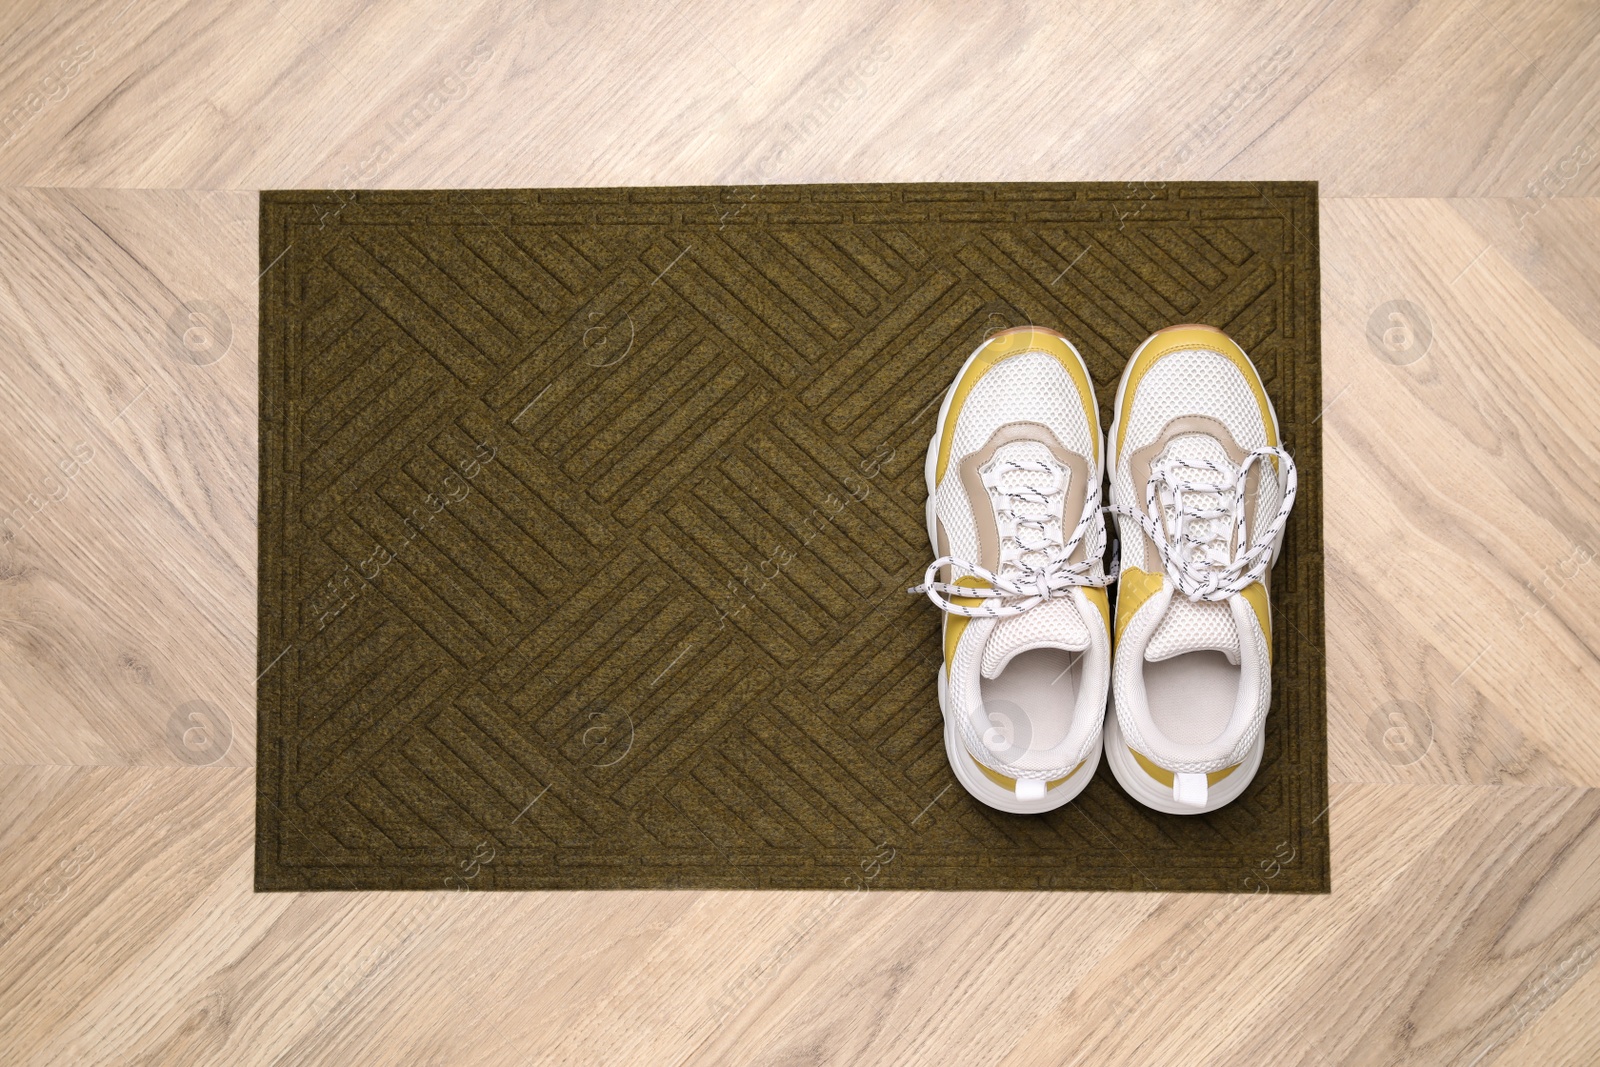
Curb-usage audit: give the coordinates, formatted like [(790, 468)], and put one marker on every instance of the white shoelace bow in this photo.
[(1029, 585), (1197, 569)]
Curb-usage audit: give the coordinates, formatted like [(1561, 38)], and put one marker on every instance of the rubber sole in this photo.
[(966, 770), (1129, 775)]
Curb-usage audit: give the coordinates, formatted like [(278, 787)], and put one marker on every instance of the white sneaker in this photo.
[(1202, 490), (1014, 472)]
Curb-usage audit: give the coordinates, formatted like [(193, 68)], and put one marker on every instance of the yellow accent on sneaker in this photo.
[(1179, 339), (956, 625), (1256, 594), (1003, 345), (1133, 589), (1164, 776), (1010, 784)]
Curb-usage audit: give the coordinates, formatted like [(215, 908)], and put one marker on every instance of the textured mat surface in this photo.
[(587, 515)]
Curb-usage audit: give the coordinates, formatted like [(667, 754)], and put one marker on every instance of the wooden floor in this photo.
[(1458, 152)]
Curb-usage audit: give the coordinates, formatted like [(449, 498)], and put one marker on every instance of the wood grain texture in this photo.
[(1392, 98), (1461, 522)]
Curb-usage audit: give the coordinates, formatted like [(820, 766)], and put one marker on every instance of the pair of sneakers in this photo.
[(1201, 489)]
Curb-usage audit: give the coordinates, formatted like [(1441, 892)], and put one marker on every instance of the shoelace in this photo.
[(1195, 571), (1030, 585)]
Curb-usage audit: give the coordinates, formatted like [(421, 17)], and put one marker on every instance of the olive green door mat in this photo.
[(587, 518)]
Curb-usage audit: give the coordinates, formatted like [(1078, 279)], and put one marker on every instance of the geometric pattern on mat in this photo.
[(586, 519)]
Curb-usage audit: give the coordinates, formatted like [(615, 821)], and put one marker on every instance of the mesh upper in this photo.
[(1194, 627), (1189, 382), (1031, 387), (1053, 624)]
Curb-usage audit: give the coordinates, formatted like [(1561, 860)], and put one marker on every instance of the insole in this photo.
[(1030, 705), (1192, 696)]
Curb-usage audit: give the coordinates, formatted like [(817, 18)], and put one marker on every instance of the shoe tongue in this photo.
[(1206, 626), (1030, 501), (1188, 626), (1055, 623), (1190, 453)]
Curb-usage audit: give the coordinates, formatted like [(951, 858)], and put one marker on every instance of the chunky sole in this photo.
[(973, 780), (1129, 775)]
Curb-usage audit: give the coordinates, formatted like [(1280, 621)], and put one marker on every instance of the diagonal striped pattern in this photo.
[(587, 515)]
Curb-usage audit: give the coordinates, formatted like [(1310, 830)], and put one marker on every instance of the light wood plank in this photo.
[(1462, 504), (1390, 99), (124, 439), (1423, 957)]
